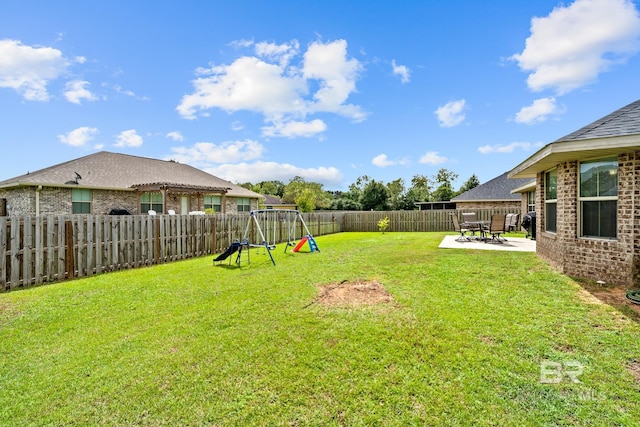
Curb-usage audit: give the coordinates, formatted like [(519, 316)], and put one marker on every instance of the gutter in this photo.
[(38, 190)]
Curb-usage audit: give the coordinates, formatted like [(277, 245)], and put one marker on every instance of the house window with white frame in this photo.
[(213, 202), (244, 204), (531, 201), (598, 198), (80, 201), (151, 202), (551, 201)]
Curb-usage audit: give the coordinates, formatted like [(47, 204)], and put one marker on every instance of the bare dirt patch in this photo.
[(634, 368), (353, 293), (616, 297)]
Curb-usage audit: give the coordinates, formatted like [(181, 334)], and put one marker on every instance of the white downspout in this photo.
[(38, 189)]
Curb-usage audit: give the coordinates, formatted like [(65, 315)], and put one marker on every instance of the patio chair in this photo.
[(470, 221), (457, 227), (512, 222), (469, 217), (497, 227)]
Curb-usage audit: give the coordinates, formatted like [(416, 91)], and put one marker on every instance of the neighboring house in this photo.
[(435, 206), (588, 199), (103, 181), (495, 193), (275, 202)]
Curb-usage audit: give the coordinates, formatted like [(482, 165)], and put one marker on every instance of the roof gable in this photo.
[(616, 133), (121, 171), (498, 188), (622, 122)]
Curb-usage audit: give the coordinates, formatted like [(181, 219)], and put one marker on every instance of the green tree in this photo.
[(396, 192), (375, 196), (273, 188), (307, 195), (420, 191), (472, 182), (445, 191), (345, 201)]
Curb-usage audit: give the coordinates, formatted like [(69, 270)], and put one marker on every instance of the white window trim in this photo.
[(549, 201), (593, 199)]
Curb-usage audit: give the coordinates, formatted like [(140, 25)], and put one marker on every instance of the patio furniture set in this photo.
[(485, 231)]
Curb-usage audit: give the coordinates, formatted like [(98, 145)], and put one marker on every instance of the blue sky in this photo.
[(329, 91)]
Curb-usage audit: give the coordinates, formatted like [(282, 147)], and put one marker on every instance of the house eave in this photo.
[(19, 184), (484, 200), (525, 188), (561, 151)]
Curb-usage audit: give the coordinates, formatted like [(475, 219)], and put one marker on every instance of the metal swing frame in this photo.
[(270, 219)]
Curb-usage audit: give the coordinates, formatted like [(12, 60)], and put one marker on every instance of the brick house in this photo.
[(103, 181), (495, 193), (588, 199)]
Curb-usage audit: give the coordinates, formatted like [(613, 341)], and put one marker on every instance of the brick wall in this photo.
[(19, 201), (613, 261), (57, 201), (105, 200)]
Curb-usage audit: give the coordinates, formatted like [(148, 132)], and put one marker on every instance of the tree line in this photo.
[(366, 193)]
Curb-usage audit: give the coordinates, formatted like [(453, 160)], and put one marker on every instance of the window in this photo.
[(151, 202), (550, 200), (531, 201), (244, 204), (80, 201), (213, 202), (598, 199)]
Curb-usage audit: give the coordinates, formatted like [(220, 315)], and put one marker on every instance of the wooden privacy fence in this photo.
[(41, 249), (431, 220)]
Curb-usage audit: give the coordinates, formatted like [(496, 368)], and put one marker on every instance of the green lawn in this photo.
[(473, 338)]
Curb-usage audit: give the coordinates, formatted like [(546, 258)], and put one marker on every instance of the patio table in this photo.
[(480, 226)]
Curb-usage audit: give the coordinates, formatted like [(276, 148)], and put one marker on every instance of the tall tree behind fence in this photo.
[(41, 249)]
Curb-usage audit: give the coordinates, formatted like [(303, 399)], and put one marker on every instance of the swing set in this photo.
[(268, 225)]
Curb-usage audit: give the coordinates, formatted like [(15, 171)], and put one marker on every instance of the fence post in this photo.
[(156, 240), (68, 249), (3, 253)]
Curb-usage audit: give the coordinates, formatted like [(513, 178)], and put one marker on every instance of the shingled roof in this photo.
[(625, 121), (497, 189), (613, 134), (106, 170)]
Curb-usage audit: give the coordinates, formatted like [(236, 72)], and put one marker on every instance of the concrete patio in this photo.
[(517, 244)]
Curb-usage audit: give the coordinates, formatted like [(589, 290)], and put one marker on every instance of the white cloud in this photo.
[(79, 137), (76, 90), (282, 53), (383, 161), (119, 89), (295, 129), (206, 153), (176, 136), (510, 148), (128, 138), (237, 125), (336, 75), (432, 158), (451, 114), (574, 44), (268, 84), (401, 70), (266, 171), (538, 111), (28, 69)]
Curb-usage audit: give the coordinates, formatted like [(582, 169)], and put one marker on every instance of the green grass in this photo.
[(189, 343)]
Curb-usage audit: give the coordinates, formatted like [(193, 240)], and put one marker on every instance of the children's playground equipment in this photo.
[(269, 226)]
